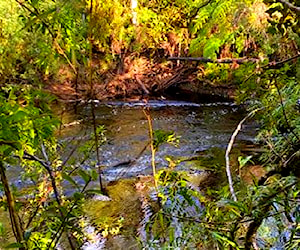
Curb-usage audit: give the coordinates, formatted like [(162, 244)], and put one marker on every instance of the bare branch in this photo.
[(275, 64), (229, 147), (208, 60), (44, 153), (28, 156), (234, 60), (290, 6)]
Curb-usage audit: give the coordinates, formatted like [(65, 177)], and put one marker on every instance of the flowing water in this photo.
[(204, 131), (200, 127)]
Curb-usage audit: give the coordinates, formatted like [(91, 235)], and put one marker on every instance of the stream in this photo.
[(204, 130), (200, 127)]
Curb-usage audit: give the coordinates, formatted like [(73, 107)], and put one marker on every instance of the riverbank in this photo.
[(137, 78)]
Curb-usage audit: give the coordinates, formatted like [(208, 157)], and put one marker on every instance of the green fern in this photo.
[(212, 47), (201, 20), (222, 9)]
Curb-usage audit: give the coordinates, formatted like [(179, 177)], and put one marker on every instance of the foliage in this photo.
[(172, 224), (27, 139), (24, 121), (111, 29), (160, 137), (273, 87), (38, 38)]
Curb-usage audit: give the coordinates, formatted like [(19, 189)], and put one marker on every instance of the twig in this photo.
[(13, 214), (208, 60), (291, 6), (146, 91), (44, 153), (150, 125), (284, 113), (290, 158), (63, 223), (32, 216), (274, 64), (74, 149), (229, 147), (53, 183)]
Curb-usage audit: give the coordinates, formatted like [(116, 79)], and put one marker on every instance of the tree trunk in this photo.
[(15, 222)]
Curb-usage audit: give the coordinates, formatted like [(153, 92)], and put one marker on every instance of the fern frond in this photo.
[(222, 9), (201, 20)]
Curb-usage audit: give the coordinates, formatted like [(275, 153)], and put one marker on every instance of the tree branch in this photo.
[(275, 64), (13, 214), (290, 6), (48, 168), (208, 60), (229, 147), (234, 60)]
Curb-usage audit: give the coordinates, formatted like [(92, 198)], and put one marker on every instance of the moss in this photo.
[(122, 213)]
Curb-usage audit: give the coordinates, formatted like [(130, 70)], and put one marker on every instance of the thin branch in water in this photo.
[(75, 148), (131, 162), (150, 126), (229, 147), (97, 146)]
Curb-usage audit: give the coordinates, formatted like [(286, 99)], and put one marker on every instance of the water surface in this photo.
[(199, 126)]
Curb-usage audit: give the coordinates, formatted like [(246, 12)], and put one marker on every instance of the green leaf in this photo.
[(244, 160), (93, 191), (225, 239), (171, 234), (94, 174), (70, 179), (85, 176), (14, 245), (212, 46), (18, 116), (1, 229), (78, 195)]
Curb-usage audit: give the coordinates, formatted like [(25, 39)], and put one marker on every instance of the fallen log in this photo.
[(208, 60)]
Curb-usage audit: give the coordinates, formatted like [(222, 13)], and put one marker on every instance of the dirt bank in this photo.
[(137, 78)]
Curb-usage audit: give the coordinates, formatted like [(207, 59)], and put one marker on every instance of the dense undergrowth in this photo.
[(95, 47)]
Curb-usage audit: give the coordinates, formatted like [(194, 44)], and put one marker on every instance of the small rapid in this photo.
[(199, 127)]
